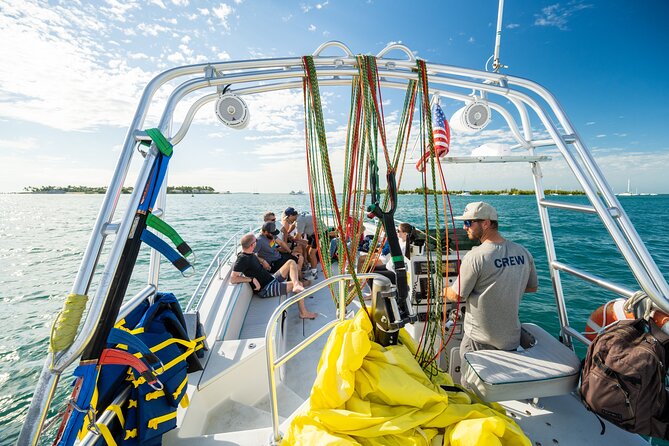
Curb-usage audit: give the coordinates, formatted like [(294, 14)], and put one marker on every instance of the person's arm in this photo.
[(282, 245), (532, 280), (451, 295), (237, 277), (265, 264)]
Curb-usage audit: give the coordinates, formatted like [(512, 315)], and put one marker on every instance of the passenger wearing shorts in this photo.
[(249, 268), (272, 249)]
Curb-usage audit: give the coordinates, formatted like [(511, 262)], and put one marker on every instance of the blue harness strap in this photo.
[(118, 336), (86, 376), (161, 246), (158, 170)]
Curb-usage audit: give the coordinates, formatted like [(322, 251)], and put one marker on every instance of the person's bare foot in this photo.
[(308, 315), (297, 287)]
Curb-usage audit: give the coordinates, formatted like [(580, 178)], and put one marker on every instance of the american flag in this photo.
[(440, 131)]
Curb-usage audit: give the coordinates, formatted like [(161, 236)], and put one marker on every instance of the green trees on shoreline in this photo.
[(512, 191), (102, 190), (211, 190)]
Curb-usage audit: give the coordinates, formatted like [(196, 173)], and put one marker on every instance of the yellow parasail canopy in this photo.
[(366, 394)]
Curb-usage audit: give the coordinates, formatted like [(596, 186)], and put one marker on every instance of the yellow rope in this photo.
[(65, 326)]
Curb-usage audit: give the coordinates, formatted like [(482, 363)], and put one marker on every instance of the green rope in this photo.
[(65, 326)]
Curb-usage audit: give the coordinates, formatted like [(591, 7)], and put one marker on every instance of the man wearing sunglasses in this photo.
[(493, 278)]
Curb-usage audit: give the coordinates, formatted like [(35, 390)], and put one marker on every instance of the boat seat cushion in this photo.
[(546, 368)]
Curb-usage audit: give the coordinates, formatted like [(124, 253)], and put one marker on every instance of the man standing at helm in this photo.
[(493, 278)]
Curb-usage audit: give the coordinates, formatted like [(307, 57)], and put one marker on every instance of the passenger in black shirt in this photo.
[(248, 268)]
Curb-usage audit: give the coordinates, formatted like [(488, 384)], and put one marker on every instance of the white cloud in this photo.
[(119, 11), (19, 144), (512, 26), (138, 56), (152, 29), (471, 40), (222, 12), (180, 2), (158, 3), (312, 28), (69, 95), (558, 16)]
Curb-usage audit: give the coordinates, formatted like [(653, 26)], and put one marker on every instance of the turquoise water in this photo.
[(44, 236)]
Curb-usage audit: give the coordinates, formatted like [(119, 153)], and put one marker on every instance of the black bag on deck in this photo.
[(623, 377)]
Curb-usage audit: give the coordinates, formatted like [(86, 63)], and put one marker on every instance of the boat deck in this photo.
[(233, 407)]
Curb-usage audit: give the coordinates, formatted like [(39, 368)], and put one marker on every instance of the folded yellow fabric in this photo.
[(366, 394)]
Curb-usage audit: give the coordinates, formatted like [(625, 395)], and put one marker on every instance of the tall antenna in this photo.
[(496, 65)]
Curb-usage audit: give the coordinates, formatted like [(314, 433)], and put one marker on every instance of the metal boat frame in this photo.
[(264, 75)]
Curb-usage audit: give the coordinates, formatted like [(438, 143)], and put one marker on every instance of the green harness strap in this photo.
[(169, 232), (162, 143)]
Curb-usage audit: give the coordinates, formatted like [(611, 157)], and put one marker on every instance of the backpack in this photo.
[(623, 375)]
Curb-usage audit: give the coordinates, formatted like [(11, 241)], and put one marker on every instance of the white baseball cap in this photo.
[(478, 210)]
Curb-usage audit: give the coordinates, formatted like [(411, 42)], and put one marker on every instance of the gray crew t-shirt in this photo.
[(492, 280), (266, 249)]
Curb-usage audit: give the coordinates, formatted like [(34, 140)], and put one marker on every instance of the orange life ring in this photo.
[(613, 311), (604, 316)]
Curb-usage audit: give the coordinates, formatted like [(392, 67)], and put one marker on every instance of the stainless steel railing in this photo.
[(229, 247), (273, 364)]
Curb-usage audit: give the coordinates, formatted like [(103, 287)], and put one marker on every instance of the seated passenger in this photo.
[(249, 269), (384, 264), (291, 237), (305, 230), (272, 250)]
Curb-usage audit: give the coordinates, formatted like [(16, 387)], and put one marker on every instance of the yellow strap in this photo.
[(65, 326), (190, 348), (170, 341), (158, 393), (119, 413), (154, 422), (130, 433), (154, 395), (180, 388), (104, 430), (185, 401)]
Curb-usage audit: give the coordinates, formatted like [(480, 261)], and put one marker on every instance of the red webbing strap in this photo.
[(112, 356)]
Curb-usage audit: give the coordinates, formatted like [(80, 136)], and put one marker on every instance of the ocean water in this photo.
[(43, 238)]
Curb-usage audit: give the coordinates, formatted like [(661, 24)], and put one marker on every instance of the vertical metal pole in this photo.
[(342, 299), (271, 372), (498, 37), (550, 253)]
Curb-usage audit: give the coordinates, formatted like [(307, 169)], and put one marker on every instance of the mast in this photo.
[(496, 65)]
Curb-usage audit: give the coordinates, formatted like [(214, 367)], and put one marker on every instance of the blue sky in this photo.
[(71, 74)]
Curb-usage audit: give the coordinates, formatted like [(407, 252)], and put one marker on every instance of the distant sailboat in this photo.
[(629, 193)]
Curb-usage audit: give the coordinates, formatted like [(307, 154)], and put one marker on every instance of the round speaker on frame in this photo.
[(472, 117), (232, 111)]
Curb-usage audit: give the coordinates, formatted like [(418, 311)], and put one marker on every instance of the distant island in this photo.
[(210, 190), (126, 190), (512, 191)]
